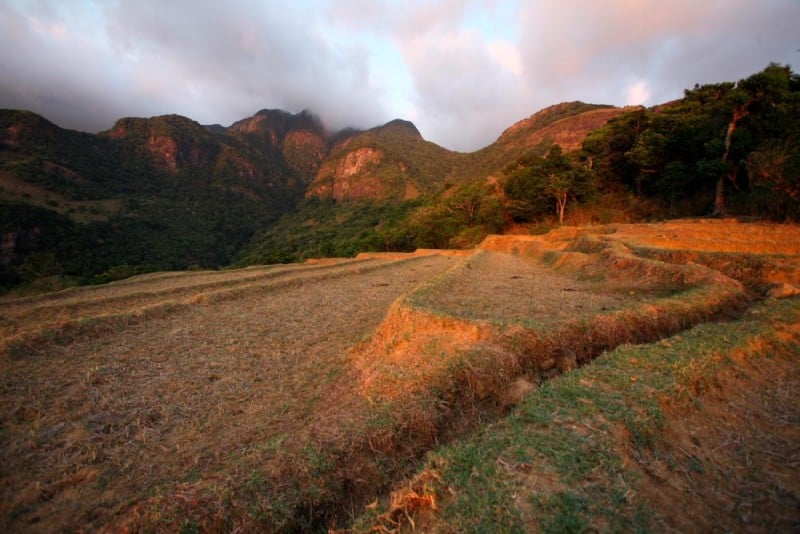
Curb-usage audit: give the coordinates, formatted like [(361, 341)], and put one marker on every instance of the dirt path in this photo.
[(103, 420)]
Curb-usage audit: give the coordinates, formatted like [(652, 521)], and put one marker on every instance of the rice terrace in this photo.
[(597, 378)]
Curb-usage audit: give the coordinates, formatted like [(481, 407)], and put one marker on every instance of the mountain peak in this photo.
[(277, 123), (400, 125), (159, 125), (24, 117), (549, 115)]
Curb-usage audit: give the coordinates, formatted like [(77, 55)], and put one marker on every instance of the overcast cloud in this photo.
[(461, 70)]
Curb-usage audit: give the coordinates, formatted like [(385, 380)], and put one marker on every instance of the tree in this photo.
[(558, 187), (775, 167), (696, 151), (557, 177), (759, 95), (522, 185), (648, 154), (606, 150)]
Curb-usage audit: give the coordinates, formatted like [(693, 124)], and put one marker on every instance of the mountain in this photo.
[(158, 193), (393, 161), (300, 139), (566, 124), (167, 192), (180, 146)]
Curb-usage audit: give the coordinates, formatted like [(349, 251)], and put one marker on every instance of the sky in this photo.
[(461, 70)]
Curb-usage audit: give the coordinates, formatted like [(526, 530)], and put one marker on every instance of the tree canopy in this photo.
[(731, 146)]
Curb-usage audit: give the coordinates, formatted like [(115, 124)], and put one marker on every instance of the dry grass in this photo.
[(285, 397), (37, 313), (137, 406), (697, 432), (507, 288), (714, 235)]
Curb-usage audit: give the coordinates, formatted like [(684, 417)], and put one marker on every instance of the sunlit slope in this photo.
[(288, 396)]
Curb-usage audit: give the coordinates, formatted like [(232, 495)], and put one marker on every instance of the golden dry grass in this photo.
[(499, 287), (184, 396), (40, 312), (287, 396)]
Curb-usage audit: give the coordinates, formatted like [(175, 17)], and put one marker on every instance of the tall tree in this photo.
[(758, 95)]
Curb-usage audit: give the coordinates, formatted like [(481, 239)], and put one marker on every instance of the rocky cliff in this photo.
[(299, 139), (390, 161)]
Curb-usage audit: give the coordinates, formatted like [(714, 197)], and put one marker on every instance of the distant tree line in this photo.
[(726, 148)]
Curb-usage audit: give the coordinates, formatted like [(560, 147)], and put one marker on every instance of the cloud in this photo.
[(243, 57), (507, 56), (594, 49), (457, 74), (461, 88), (463, 70), (638, 94), (211, 61)]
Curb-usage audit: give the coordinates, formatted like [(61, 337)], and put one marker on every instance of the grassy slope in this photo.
[(130, 393), (630, 442), (357, 418), (616, 444), (441, 364)]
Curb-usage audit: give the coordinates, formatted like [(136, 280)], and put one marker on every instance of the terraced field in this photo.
[(289, 397)]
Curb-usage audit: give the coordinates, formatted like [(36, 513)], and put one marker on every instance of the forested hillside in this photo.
[(150, 194), (726, 148), (723, 149), (168, 193)]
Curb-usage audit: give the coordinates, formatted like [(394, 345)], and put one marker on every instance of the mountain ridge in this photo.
[(169, 192), (386, 162)]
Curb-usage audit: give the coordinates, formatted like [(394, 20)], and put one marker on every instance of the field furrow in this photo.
[(133, 410), (287, 398), (21, 315)]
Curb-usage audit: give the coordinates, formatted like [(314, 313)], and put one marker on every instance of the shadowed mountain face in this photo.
[(157, 193), (299, 140)]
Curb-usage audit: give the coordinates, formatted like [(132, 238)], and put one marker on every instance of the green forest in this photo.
[(724, 149)]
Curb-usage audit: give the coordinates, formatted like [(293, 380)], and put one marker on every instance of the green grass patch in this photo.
[(557, 463)]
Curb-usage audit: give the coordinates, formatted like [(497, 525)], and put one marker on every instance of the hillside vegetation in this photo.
[(150, 194), (723, 149)]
